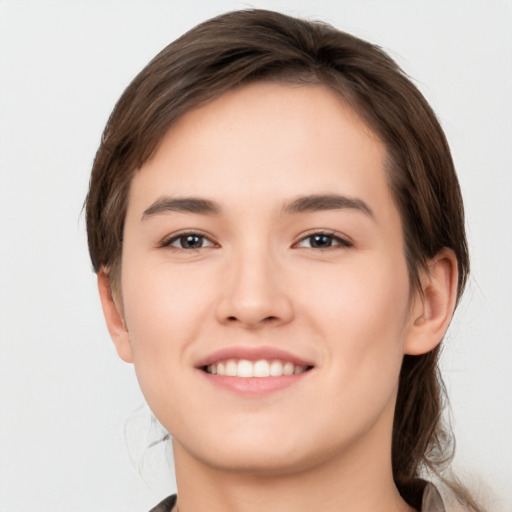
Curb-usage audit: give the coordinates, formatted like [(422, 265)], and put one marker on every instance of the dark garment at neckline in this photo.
[(166, 505), (422, 495)]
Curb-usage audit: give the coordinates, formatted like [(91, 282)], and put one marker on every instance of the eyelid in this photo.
[(343, 240), (169, 239)]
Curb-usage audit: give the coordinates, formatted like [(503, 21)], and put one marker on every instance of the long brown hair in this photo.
[(252, 45)]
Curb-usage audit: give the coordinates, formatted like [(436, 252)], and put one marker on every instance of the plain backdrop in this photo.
[(64, 395)]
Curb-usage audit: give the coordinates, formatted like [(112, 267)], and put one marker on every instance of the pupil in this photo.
[(191, 241), (321, 241)]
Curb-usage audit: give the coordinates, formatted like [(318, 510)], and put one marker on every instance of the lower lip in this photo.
[(254, 386)]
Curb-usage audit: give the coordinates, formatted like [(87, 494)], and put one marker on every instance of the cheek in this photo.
[(363, 311), (164, 308), (366, 295), (165, 311)]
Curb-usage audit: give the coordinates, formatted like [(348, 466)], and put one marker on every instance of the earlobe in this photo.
[(433, 309), (114, 318)]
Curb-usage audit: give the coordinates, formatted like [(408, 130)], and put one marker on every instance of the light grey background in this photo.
[(64, 395)]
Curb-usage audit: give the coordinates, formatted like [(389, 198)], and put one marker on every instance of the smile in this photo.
[(261, 368)]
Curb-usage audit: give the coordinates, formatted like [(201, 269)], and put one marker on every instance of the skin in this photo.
[(347, 309)]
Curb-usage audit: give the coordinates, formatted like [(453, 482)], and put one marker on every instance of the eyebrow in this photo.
[(303, 204), (314, 203), (182, 204)]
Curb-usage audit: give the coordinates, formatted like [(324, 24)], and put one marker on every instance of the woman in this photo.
[(278, 234)]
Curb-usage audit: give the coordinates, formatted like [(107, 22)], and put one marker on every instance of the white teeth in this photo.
[(288, 369), (245, 368), (276, 368), (231, 368), (262, 368)]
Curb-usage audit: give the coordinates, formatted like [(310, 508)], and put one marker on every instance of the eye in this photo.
[(323, 241), (188, 241)]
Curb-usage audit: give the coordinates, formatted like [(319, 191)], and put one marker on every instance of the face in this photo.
[(265, 291)]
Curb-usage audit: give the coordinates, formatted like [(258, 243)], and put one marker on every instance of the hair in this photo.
[(257, 45)]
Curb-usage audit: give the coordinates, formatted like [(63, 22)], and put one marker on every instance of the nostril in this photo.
[(266, 320)]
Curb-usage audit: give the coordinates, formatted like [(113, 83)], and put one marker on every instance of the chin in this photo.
[(259, 454), (258, 462)]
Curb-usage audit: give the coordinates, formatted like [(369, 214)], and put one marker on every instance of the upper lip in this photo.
[(252, 354)]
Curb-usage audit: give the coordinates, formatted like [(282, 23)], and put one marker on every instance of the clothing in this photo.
[(166, 505), (431, 500)]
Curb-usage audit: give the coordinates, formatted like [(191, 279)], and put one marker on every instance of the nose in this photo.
[(253, 295)]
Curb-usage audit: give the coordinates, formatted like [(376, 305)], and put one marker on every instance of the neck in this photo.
[(359, 479)]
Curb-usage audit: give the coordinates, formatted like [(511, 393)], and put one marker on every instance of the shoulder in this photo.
[(165, 505)]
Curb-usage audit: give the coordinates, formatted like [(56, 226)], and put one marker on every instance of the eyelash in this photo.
[(167, 242), (334, 238)]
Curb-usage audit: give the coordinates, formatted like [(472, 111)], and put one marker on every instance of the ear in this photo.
[(114, 318), (433, 309)]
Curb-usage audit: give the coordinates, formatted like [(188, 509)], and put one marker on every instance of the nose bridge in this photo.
[(254, 294)]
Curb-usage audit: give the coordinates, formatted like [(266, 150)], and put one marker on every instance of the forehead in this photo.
[(264, 140)]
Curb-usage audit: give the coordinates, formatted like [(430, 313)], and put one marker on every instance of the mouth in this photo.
[(261, 368), (255, 370)]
